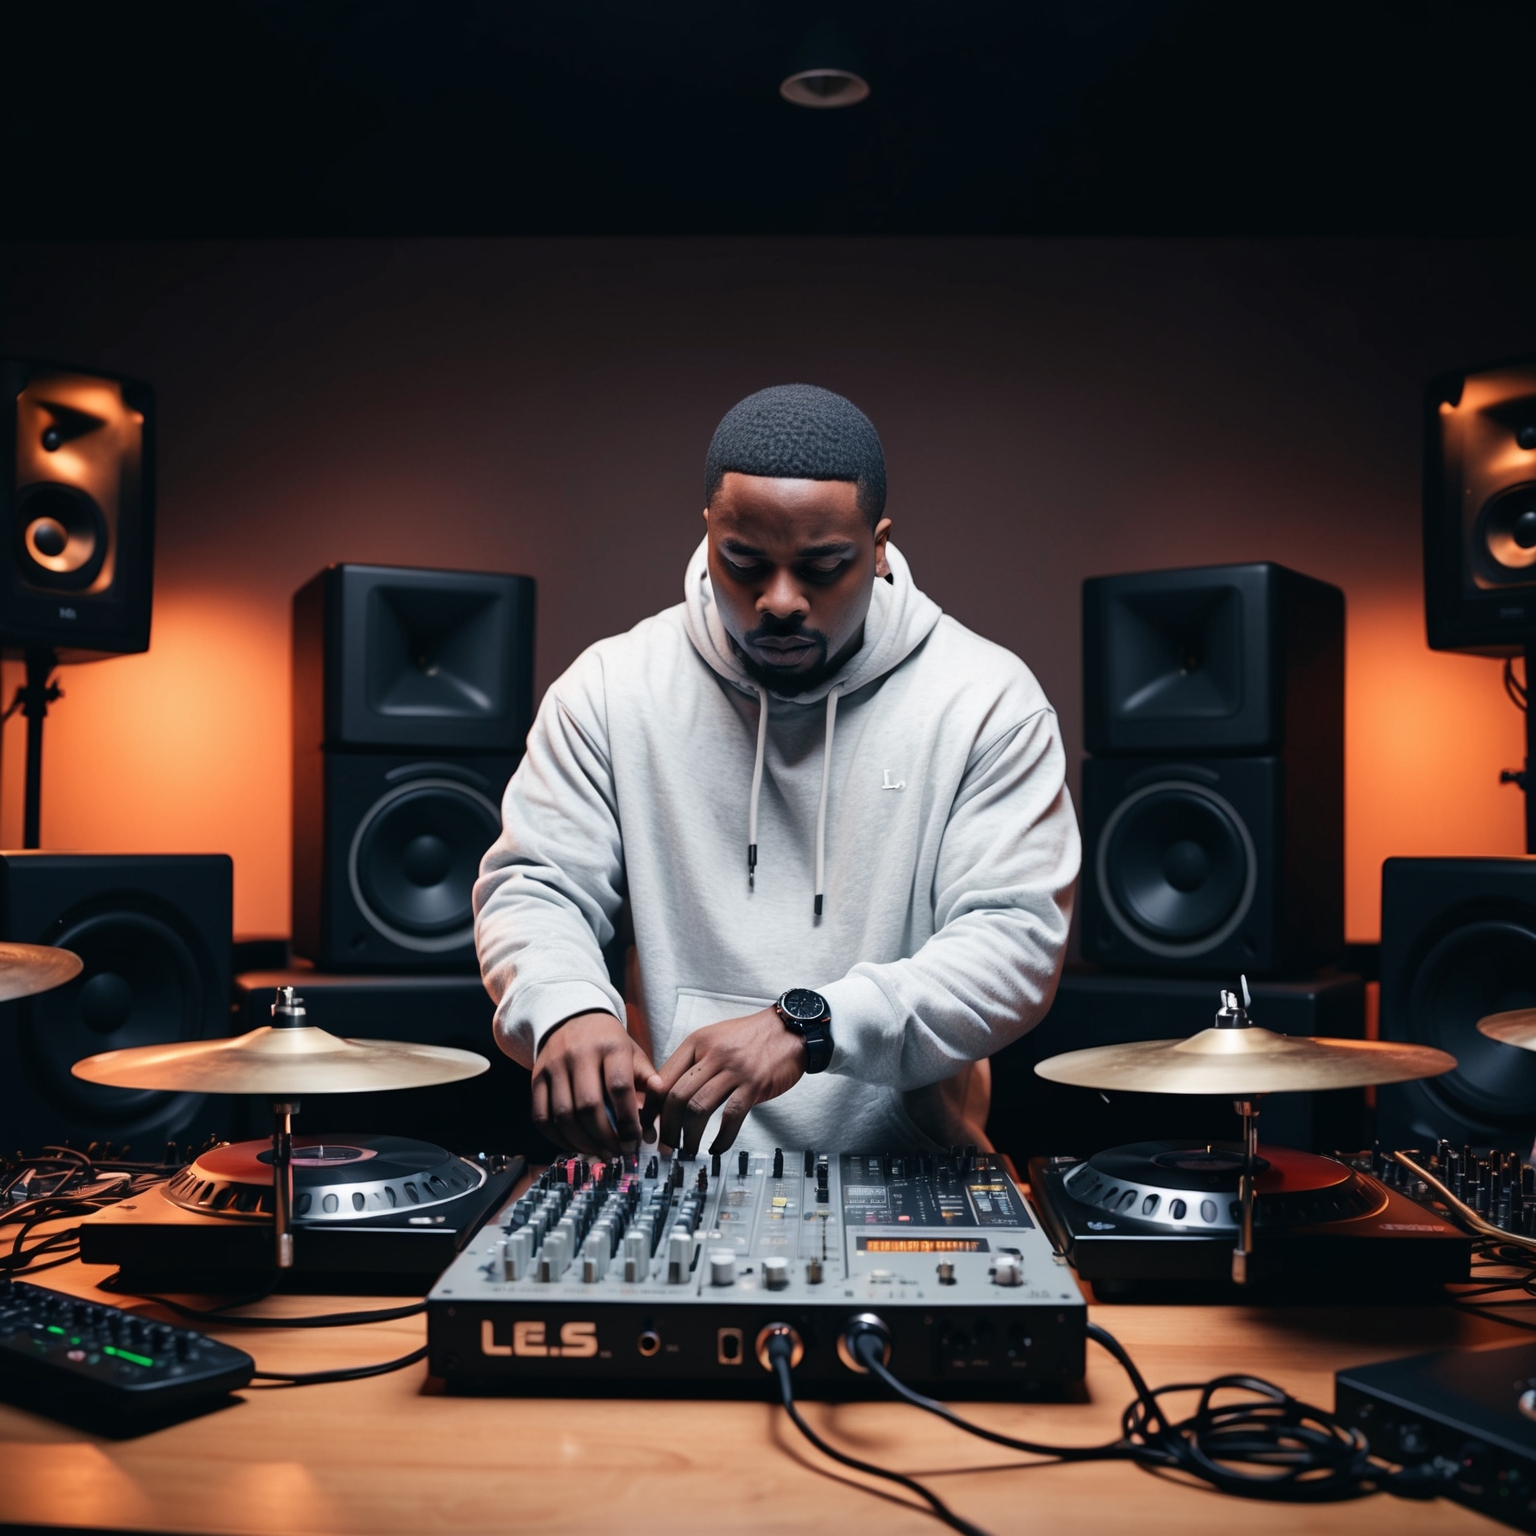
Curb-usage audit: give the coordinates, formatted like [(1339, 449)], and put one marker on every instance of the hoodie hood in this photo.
[(900, 619)]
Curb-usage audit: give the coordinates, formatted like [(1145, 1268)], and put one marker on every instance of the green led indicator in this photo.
[(123, 1354), (74, 1340), (52, 1329)]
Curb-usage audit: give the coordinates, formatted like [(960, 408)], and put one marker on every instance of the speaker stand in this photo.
[(34, 696), (1525, 778)]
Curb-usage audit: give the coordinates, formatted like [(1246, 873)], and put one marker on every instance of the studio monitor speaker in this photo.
[(1480, 509), (76, 511), (412, 697), (1458, 942), (154, 933), (1213, 807)]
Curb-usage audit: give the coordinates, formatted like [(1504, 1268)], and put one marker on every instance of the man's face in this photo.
[(793, 563)]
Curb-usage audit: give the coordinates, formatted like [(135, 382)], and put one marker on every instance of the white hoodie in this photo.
[(929, 770)]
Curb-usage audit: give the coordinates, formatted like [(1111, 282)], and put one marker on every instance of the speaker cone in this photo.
[(1482, 967), (1509, 534), (1176, 868), (141, 985), (414, 860), (62, 536)]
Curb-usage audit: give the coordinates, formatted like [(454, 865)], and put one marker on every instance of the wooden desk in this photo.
[(395, 1454)]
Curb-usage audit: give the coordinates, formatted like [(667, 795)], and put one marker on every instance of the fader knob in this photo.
[(778, 1162), (776, 1274), (722, 1267), (1008, 1269), (742, 1163)]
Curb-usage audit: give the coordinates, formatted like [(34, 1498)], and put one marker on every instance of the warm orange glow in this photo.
[(181, 750), (1426, 734)]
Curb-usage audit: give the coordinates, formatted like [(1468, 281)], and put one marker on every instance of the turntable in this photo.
[(360, 1212), (1234, 1218), (1157, 1218), (374, 1212)]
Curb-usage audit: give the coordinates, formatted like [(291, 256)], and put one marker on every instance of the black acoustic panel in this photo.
[(386, 849), (395, 657), (1480, 509), (1214, 659), (1033, 1118), (1211, 866), (1458, 942), (489, 1113), (154, 933), (77, 501)]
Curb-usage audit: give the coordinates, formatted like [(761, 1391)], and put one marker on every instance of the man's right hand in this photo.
[(580, 1061)]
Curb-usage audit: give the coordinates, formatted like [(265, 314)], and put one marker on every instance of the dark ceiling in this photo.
[(316, 117)]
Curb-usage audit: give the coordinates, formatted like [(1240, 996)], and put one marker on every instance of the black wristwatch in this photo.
[(807, 1013)]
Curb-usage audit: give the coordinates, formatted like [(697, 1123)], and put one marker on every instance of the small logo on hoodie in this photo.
[(889, 784)]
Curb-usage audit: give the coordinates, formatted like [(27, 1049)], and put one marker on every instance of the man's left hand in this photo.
[(739, 1063)]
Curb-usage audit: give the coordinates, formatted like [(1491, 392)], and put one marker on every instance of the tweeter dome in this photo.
[(412, 697)]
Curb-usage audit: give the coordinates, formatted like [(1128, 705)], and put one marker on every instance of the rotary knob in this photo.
[(722, 1267), (776, 1274)]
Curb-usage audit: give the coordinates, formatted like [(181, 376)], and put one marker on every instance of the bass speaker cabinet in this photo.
[(1213, 805), (412, 697), (76, 511), (489, 1113), (1480, 509), (1033, 1118), (1458, 942), (154, 933)]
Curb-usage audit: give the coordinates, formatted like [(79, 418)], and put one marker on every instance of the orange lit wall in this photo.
[(1050, 410)]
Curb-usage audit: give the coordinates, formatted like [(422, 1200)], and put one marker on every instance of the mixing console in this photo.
[(658, 1272), (1499, 1186)]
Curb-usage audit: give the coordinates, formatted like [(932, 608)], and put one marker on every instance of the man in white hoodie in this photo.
[(834, 820)]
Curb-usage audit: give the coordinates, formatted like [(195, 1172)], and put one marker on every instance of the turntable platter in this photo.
[(1193, 1186), (341, 1179)]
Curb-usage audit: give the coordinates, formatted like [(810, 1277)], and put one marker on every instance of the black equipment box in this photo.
[(1468, 1413)]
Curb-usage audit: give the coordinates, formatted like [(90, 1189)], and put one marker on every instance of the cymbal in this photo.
[(1517, 1027), (281, 1063), (26, 969), (1242, 1063)]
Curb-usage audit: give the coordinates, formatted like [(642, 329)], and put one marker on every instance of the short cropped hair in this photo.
[(799, 432)]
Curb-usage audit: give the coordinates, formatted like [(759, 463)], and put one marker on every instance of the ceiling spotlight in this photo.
[(825, 88)]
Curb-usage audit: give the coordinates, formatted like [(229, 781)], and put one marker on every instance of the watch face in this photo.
[(803, 1004)]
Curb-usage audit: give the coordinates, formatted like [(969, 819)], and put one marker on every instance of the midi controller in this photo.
[(655, 1273)]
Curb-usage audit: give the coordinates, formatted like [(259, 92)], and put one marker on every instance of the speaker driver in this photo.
[(1176, 869), (1509, 534), (62, 534), (141, 985), (414, 859), (1480, 968)]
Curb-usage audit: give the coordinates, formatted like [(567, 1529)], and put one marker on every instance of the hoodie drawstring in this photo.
[(821, 808), (757, 787)]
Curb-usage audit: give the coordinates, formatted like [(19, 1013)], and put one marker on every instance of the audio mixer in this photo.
[(656, 1273)]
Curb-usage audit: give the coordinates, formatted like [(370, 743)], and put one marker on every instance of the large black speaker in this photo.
[(1213, 808), (76, 511), (489, 1113), (1480, 509), (1033, 1118), (1458, 942), (412, 697), (154, 933)]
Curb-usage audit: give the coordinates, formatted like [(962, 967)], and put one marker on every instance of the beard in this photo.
[(789, 681)]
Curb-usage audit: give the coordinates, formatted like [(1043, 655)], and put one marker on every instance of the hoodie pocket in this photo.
[(695, 1009)]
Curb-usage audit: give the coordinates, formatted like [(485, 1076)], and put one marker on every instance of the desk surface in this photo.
[(395, 1454)]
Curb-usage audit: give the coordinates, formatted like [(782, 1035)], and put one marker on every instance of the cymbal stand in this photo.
[(283, 1111), (1246, 1189)]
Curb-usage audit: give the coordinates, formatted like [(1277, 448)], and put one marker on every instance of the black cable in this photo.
[(348, 1373), (1310, 1456), (1518, 692), (220, 1317), (779, 1350)]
